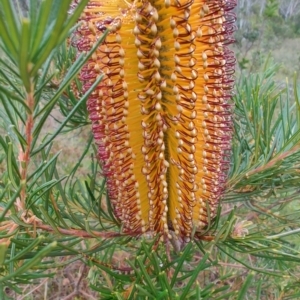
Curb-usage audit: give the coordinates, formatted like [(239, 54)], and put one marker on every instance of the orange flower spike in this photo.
[(161, 115)]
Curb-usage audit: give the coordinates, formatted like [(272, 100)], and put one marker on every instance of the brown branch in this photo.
[(80, 233), (273, 161)]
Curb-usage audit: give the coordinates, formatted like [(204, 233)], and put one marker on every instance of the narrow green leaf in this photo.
[(88, 229), (111, 272), (42, 21), (155, 261), (43, 84), (243, 290), (13, 161), (12, 254), (226, 229), (105, 292), (41, 190), (146, 276), (10, 204), (145, 292), (24, 63), (7, 108), (11, 109), (38, 172), (18, 221), (3, 193), (224, 296), (68, 78), (11, 234), (297, 100), (283, 234), (71, 74), (48, 175), (30, 263), (48, 219), (11, 19), (198, 292), (83, 99), (119, 296), (34, 9), (6, 44), (17, 93), (200, 267), (10, 67), (180, 263), (258, 292), (3, 249), (73, 19), (52, 36), (83, 155), (71, 215), (20, 137), (111, 210), (10, 168), (27, 249), (42, 80), (220, 289), (165, 282)]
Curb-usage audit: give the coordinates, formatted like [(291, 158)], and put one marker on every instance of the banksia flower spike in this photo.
[(161, 115)]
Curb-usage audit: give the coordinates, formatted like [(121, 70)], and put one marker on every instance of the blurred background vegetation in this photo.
[(252, 250), (268, 27)]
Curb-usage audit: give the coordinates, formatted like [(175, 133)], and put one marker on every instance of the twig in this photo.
[(81, 273), (80, 233), (88, 296), (32, 290), (273, 161)]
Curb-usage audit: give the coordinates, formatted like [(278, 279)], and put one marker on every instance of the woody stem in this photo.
[(25, 156)]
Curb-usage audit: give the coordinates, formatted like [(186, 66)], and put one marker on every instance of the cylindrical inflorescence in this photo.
[(162, 117)]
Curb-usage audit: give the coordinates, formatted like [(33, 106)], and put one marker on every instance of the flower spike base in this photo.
[(161, 116)]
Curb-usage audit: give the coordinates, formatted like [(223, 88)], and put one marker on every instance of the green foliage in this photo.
[(250, 251), (295, 24), (271, 9)]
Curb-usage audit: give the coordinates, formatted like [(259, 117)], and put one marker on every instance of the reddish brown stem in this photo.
[(25, 156), (80, 233), (274, 161)]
